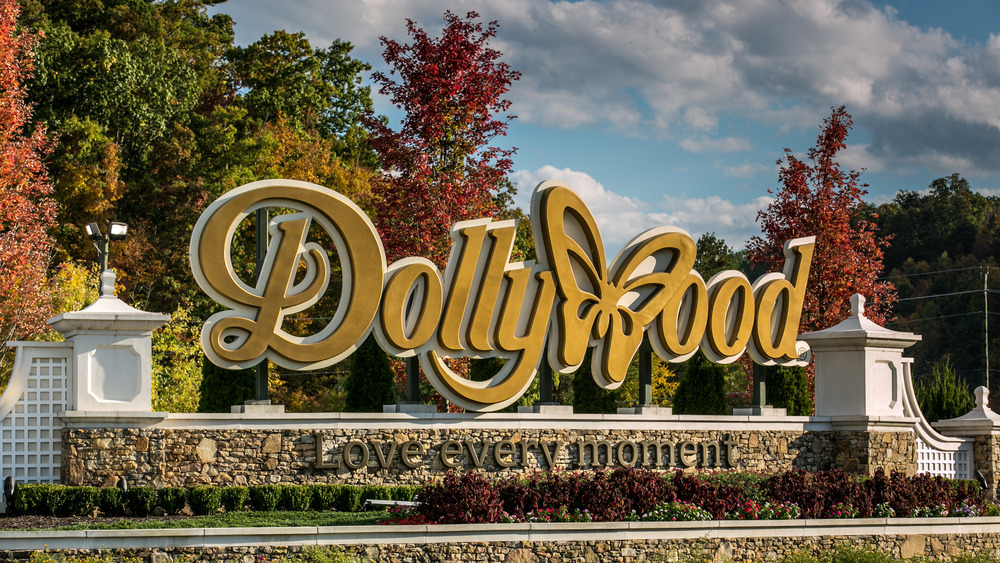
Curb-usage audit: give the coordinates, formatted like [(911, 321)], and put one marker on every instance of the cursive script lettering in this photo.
[(483, 305)]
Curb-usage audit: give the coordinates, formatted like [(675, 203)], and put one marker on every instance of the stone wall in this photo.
[(934, 546), (185, 457), (866, 452), (986, 452)]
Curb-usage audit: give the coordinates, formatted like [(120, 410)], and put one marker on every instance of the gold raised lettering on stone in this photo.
[(251, 329), (483, 305), (411, 306), (779, 301), (462, 270), (730, 305), (613, 305)]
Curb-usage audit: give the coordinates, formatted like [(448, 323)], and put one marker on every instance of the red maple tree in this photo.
[(819, 198), (438, 168), (26, 210)]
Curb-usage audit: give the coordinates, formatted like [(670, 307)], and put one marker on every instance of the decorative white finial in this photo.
[(857, 305), (107, 284), (982, 397)]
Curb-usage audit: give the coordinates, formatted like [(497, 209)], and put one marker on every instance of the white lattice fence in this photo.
[(30, 428), (952, 463)]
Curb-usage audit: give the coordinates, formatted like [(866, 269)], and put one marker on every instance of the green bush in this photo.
[(110, 501), (349, 498), (74, 501), (32, 499), (206, 499), (234, 499), (173, 499), (324, 497), (140, 501), (404, 492), (265, 498), (375, 492), (296, 497)]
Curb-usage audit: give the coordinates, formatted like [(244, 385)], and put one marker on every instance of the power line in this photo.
[(903, 321), (940, 295), (934, 272)]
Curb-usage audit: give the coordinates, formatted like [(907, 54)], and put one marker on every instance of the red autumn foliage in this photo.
[(818, 198), (438, 168), (27, 211)]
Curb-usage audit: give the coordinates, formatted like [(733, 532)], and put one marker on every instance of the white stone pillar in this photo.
[(112, 354), (860, 368)]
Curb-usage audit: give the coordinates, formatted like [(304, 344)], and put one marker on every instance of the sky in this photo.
[(674, 112)]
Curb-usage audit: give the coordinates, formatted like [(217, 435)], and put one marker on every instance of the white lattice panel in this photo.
[(946, 463), (30, 434)]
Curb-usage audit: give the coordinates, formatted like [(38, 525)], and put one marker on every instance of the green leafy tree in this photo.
[(588, 397), (702, 388), (371, 382), (943, 395), (714, 255), (788, 388), (223, 388), (177, 364)]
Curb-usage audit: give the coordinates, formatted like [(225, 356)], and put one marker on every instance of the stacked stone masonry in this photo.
[(933, 546), (182, 457)]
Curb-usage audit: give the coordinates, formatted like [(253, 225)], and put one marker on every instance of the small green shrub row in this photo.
[(60, 500)]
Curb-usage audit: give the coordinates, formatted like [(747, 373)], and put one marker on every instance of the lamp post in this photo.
[(102, 242)]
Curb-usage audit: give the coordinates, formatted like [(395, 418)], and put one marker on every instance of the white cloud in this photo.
[(620, 218), (665, 69), (749, 170), (727, 144)]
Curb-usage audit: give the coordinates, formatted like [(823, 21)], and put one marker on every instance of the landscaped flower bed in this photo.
[(637, 494)]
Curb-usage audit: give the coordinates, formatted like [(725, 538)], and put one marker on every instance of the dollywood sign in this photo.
[(483, 305)]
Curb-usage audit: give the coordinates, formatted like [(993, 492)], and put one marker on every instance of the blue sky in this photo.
[(674, 112)]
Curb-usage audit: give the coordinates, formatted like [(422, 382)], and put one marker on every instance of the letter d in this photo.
[(778, 303)]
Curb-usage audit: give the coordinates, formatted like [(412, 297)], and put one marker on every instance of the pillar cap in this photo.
[(980, 420), (108, 313), (859, 330)]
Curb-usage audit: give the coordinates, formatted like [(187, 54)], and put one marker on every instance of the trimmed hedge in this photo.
[(173, 499), (206, 499), (60, 500), (234, 499)]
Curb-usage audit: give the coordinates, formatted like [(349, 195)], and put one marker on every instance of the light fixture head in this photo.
[(117, 231), (93, 231)]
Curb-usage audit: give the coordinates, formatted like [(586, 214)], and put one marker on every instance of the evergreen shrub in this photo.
[(234, 499), (206, 499)]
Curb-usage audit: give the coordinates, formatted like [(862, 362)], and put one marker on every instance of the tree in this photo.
[(945, 395), (817, 198), (714, 255), (27, 210), (371, 382), (438, 168), (702, 388), (223, 388), (788, 388), (588, 397), (177, 364)]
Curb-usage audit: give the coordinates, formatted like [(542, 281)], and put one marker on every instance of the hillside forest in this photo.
[(145, 112)]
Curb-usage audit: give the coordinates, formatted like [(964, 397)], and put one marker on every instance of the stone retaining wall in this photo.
[(162, 457), (752, 548)]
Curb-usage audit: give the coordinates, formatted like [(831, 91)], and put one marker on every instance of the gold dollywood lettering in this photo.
[(483, 305)]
